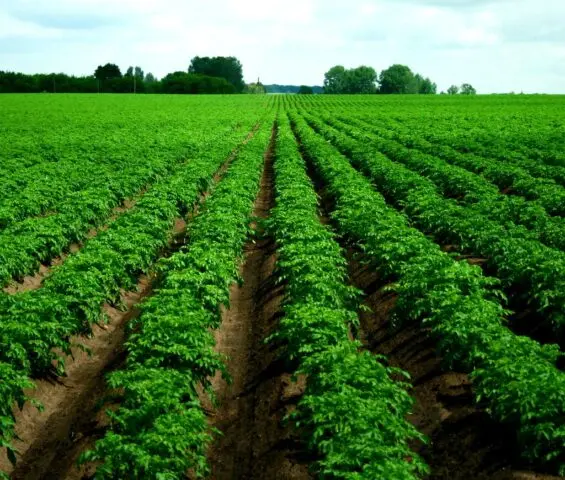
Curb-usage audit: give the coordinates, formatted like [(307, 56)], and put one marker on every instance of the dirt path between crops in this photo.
[(255, 444), (464, 442), (52, 440), (35, 281)]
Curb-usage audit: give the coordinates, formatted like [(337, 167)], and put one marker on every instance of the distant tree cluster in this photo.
[(396, 79), (305, 90), (13, 82), (362, 79), (194, 83), (465, 89), (276, 88), (205, 75), (400, 79), (228, 68)]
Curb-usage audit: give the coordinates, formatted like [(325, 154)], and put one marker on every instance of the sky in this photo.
[(496, 45)]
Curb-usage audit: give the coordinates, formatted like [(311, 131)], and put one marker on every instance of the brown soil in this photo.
[(464, 442), (33, 282), (70, 418), (52, 440), (255, 444)]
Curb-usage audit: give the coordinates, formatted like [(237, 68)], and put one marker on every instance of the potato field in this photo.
[(282, 287)]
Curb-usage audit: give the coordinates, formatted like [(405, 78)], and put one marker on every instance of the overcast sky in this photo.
[(496, 45)]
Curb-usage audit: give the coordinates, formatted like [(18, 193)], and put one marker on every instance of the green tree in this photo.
[(361, 80), (453, 90), (108, 71), (192, 83), (398, 79), (305, 90), (468, 89), (334, 80), (338, 79), (137, 71), (228, 68), (149, 78), (425, 86)]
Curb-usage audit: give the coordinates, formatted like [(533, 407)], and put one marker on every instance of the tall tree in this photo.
[(228, 68), (338, 79), (453, 90), (468, 89), (108, 71), (398, 79), (149, 78), (425, 85), (361, 80), (137, 71), (335, 80)]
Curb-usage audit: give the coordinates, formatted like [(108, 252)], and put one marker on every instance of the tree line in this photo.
[(223, 75), (204, 75), (396, 79)]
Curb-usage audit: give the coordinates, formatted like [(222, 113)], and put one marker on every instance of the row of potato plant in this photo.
[(160, 429), (353, 415), (526, 133), (537, 271), (38, 239), (36, 326), (468, 188), (52, 147), (545, 160), (514, 378), (507, 177)]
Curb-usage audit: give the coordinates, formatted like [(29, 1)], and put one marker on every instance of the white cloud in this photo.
[(497, 45)]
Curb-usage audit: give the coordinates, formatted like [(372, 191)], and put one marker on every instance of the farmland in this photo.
[(294, 286)]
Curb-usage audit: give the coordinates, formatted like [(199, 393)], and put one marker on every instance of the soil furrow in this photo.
[(254, 443), (464, 442), (34, 282), (72, 419)]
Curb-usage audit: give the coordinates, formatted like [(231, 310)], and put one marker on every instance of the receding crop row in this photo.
[(483, 138), (353, 414), (23, 245), (546, 192), (33, 324), (519, 261), (468, 188), (514, 377), (52, 148), (160, 429)]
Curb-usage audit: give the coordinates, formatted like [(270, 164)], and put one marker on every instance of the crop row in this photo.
[(526, 132), (26, 244), (160, 429), (546, 192), (353, 414), (519, 262), (480, 138), (468, 188), (514, 377), (77, 144), (35, 323)]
